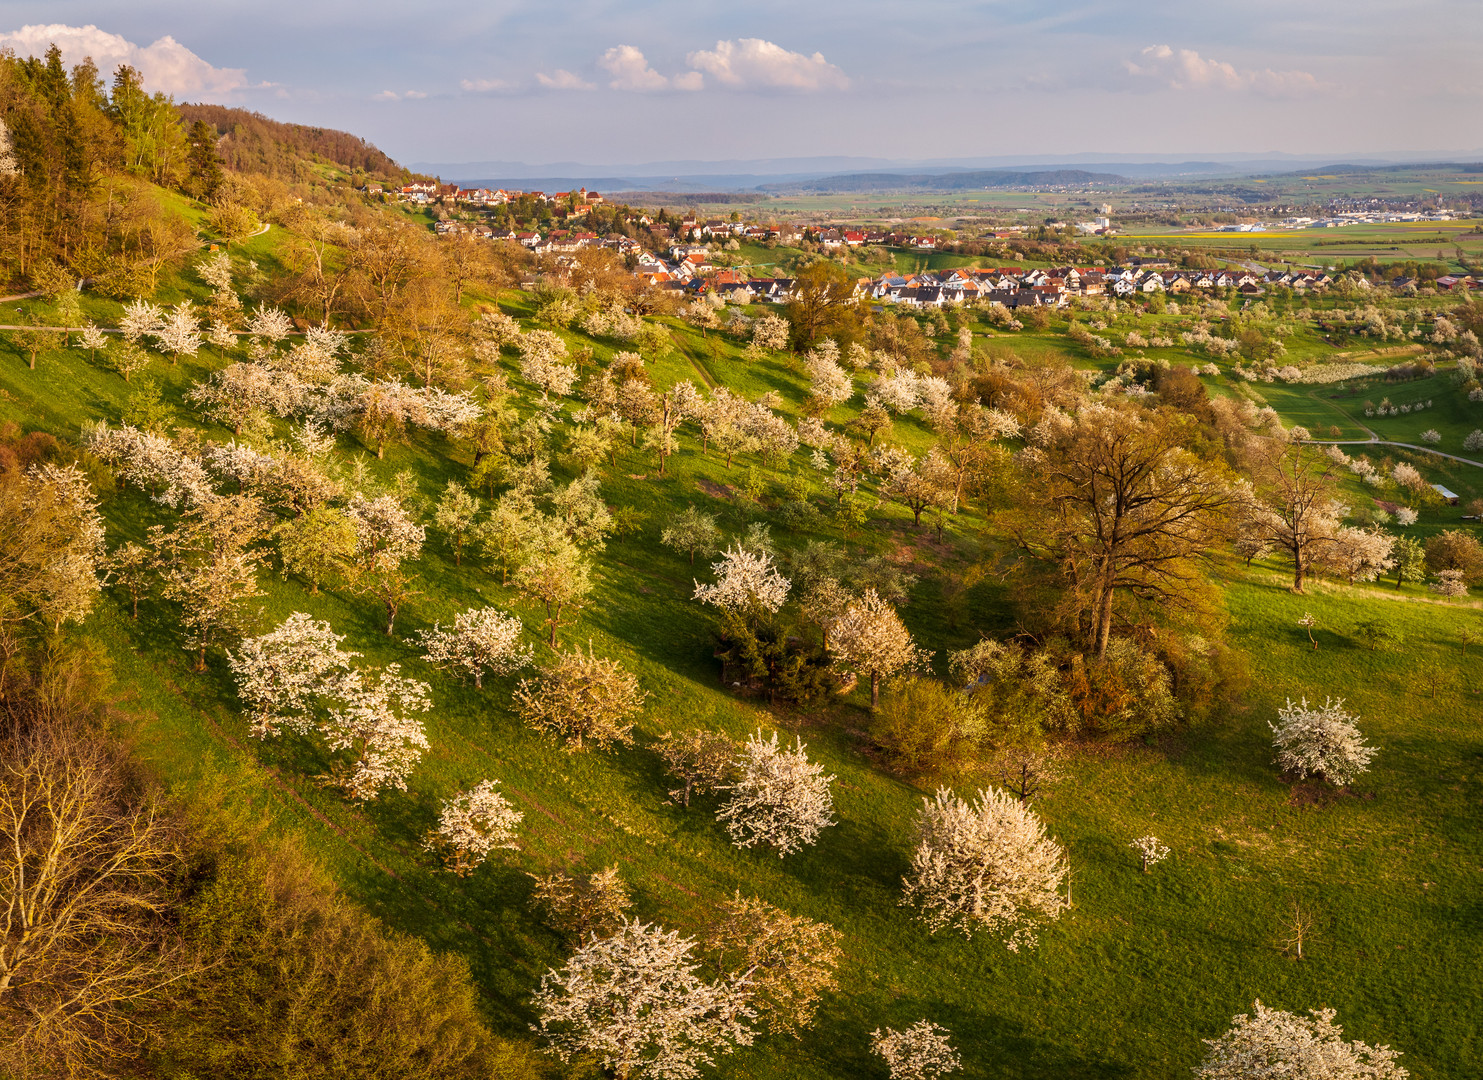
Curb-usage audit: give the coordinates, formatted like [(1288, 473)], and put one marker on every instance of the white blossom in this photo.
[(1277, 1045), (771, 332), (178, 333), (139, 318), (283, 675), (216, 270), (270, 324), (385, 535), (473, 824), (232, 395), (871, 639), (898, 392), (373, 720), (921, 1052), (985, 865), (152, 462), (480, 639), (239, 462), (780, 797), (541, 356), (936, 402), (830, 383), (1451, 583), (1150, 851), (744, 577), (1320, 740), (635, 1002), (93, 339)]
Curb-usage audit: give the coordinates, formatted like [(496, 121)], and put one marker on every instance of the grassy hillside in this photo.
[(1124, 986)]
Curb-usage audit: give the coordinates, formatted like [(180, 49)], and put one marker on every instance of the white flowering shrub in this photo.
[(830, 383), (480, 639), (283, 675), (634, 1001), (744, 577), (985, 865), (542, 356), (1320, 740), (780, 798), (1150, 851), (473, 824), (870, 639), (921, 1052), (1319, 374), (1274, 1044), (1473, 441), (1405, 516), (1431, 436), (1450, 583)]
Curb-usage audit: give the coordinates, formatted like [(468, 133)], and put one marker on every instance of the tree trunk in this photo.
[(1104, 623), (875, 689)]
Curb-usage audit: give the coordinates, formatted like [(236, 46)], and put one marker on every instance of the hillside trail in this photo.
[(1375, 439)]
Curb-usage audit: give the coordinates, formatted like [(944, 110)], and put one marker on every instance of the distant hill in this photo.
[(1408, 167), (250, 142), (950, 181)]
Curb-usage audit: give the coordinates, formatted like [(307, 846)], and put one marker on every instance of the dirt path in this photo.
[(1377, 441)]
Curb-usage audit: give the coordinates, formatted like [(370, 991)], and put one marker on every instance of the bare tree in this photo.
[(586, 906), (86, 891), (582, 697), (701, 760), (786, 962)]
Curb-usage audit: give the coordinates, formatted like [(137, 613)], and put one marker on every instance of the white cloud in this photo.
[(689, 80), (415, 95), (1185, 69), (483, 86), (561, 79), (630, 70), (166, 65), (751, 63)]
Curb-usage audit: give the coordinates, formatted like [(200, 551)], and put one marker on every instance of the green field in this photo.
[(1124, 986)]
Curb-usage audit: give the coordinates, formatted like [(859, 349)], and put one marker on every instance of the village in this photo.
[(682, 257)]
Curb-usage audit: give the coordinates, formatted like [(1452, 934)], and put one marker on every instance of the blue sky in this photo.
[(629, 81)]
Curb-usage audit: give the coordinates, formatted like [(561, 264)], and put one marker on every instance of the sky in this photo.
[(624, 82)]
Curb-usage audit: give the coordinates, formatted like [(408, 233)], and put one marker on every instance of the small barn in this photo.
[(1452, 497)]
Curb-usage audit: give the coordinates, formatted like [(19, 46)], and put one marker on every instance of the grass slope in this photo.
[(1125, 986)]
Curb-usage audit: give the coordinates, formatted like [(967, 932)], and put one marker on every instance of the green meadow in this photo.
[(1125, 985)]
